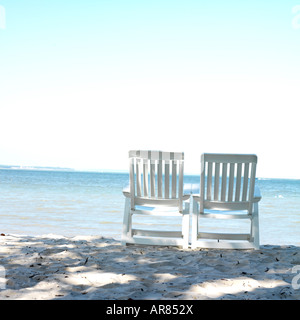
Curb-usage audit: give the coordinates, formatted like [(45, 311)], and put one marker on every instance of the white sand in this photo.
[(56, 267)]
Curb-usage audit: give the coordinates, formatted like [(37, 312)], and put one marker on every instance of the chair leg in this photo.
[(186, 225), (255, 227), (126, 221), (194, 224)]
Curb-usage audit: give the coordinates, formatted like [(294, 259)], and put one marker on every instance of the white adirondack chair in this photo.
[(227, 191), (161, 195)]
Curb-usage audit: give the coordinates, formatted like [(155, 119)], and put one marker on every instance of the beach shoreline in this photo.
[(55, 267)]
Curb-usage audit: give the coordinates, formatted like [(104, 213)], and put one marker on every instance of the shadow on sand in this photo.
[(98, 268)]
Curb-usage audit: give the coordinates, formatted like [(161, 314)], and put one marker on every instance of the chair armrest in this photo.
[(126, 191), (257, 194), (196, 197), (191, 188)]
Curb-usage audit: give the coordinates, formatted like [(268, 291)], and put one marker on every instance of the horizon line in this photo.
[(66, 169)]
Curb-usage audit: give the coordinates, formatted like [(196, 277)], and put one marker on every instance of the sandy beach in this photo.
[(90, 267)]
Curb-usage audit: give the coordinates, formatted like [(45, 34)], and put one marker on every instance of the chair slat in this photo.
[(167, 180), (202, 182), (159, 179), (245, 182), (132, 186), (138, 178), (152, 178), (180, 185), (252, 183), (238, 182), (231, 182), (145, 177), (174, 178), (217, 181), (224, 182), (209, 180)]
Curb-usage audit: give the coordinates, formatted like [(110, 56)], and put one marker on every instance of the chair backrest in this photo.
[(227, 181), (156, 178)]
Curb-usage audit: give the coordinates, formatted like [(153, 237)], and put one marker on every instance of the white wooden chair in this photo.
[(227, 191), (161, 195)]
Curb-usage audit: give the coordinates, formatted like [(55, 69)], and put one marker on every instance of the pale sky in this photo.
[(83, 82)]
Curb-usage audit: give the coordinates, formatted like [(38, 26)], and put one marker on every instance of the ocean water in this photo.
[(91, 203)]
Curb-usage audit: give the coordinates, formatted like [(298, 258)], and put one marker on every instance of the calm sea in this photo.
[(91, 203)]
